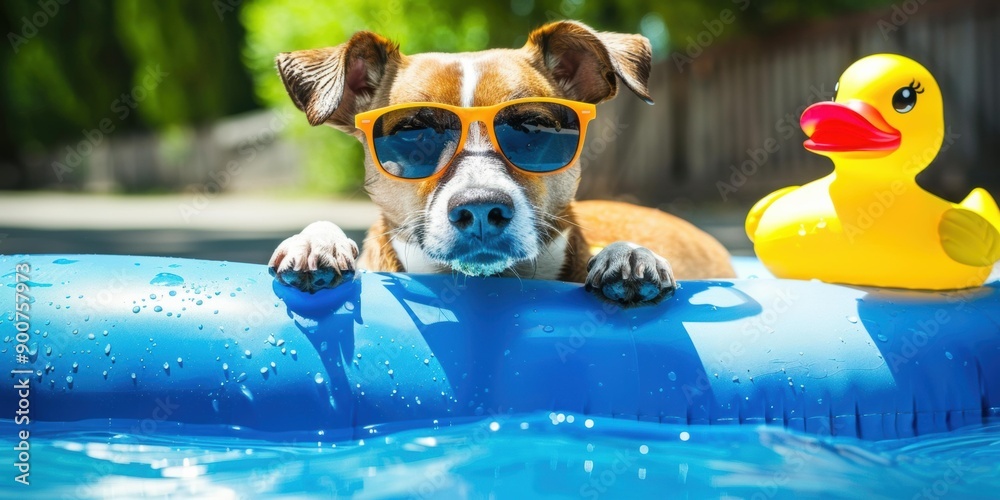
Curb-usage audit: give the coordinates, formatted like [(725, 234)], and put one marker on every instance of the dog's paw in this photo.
[(321, 256), (630, 275)]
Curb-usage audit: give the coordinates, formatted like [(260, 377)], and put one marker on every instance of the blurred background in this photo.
[(161, 128)]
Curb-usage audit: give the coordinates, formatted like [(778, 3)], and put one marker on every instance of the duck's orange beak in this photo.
[(852, 127)]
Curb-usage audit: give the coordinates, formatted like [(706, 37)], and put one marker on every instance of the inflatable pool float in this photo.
[(140, 341)]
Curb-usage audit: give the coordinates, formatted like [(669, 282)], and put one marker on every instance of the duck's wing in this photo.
[(753, 218), (980, 201), (969, 238)]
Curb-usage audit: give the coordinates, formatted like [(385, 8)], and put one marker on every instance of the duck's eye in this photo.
[(906, 98)]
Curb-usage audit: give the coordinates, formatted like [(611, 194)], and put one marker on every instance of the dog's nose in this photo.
[(481, 212)]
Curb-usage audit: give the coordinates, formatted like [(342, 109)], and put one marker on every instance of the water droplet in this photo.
[(133, 376), (736, 379), (76, 366), (391, 372), (152, 295), (821, 224), (263, 371), (180, 362), (173, 293), (166, 279), (69, 380), (157, 309), (247, 353), (427, 361), (802, 229), (359, 355), (882, 338), (241, 377), (852, 319), (270, 339), (672, 376), (948, 355), (91, 336), (107, 349), (548, 329)]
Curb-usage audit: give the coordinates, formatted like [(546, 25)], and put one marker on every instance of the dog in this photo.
[(470, 194)]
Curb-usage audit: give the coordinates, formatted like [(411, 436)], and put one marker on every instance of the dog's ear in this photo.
[(336, 83), (585, 62)]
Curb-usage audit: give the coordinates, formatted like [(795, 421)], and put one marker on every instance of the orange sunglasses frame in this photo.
[(365, 122)]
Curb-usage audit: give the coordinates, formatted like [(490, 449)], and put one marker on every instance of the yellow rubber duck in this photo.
[(869, 223)]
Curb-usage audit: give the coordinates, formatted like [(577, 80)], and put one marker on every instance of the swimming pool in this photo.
[(507, 456)]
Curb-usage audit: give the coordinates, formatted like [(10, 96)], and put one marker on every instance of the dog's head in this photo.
[(480, 215)]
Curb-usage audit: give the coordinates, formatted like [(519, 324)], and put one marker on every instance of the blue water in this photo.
[(523, 456)]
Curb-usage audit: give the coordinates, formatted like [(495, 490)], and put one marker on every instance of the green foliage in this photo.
[(73, 63), (219, 56)]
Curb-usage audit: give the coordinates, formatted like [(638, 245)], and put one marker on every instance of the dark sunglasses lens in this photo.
[(415, 143), (538, 136)]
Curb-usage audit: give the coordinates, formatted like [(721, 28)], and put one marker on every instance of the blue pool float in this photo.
[(146, 341)]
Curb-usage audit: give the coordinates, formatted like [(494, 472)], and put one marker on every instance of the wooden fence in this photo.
[(737, 105)]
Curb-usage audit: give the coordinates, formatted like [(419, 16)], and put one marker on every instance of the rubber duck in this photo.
[(869, 223)]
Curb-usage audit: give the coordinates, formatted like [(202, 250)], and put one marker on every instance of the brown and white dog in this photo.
[(544, 233)]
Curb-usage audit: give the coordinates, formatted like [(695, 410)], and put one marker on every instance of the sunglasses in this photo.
[(417, 141)]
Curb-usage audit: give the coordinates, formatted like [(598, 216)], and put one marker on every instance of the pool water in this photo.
[(505, 456)]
